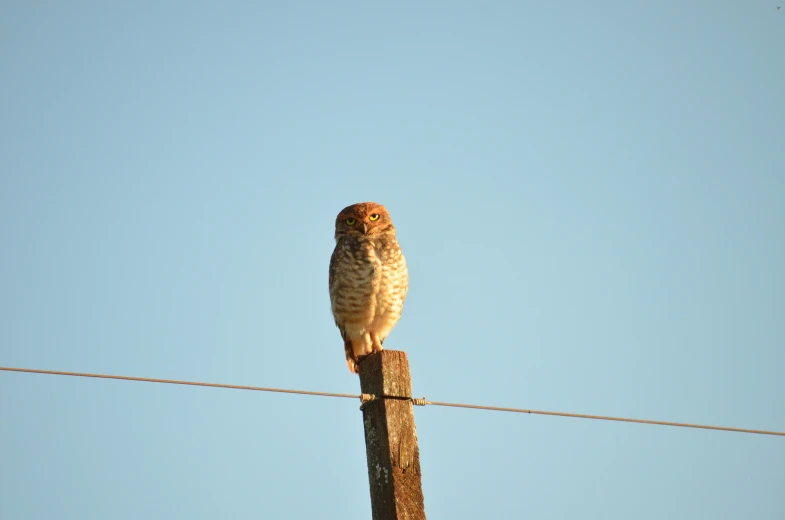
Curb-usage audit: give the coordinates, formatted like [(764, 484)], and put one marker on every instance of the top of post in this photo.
[(386, 373)]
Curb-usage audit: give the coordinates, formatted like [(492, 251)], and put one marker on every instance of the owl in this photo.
[(368, 279)]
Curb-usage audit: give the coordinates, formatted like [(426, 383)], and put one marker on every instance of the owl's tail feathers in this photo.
[(351, 360)]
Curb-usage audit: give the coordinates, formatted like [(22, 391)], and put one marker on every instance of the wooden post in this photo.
[(390, 438)]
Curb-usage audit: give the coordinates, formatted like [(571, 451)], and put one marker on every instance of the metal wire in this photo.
[(366, 398), (608, 418), (176, 382)]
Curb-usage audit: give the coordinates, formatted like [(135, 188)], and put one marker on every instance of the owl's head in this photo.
[(364, 219)]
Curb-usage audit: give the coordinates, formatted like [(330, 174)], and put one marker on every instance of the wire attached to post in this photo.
[(365, 399)]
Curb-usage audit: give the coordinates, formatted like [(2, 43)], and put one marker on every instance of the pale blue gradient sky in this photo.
[(590, 196)]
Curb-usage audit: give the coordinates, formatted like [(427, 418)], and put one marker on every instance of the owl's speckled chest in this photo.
[(368, 278)]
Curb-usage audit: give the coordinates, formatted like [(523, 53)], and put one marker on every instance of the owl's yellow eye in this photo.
[(374, 216), (351, 221)]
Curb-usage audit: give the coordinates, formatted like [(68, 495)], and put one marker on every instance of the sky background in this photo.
[(590, 197)]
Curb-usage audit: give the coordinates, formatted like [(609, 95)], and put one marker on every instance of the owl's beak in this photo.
[(364, 228)]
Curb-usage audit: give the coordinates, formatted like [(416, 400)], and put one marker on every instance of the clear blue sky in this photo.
[(590, 196)]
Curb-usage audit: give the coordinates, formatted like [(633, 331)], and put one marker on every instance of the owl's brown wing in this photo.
[(351, 361), (332, 281), (333, 269)]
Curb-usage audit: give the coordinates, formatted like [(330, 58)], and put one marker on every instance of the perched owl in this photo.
[(368, 279)]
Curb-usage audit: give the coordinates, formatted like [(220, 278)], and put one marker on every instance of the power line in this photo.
[(365, 398), (176, 382), (609, 418)]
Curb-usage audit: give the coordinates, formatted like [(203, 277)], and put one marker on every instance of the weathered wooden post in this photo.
[(391, 438)]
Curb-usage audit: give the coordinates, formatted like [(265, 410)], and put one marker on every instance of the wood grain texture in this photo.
[(391, 438)]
